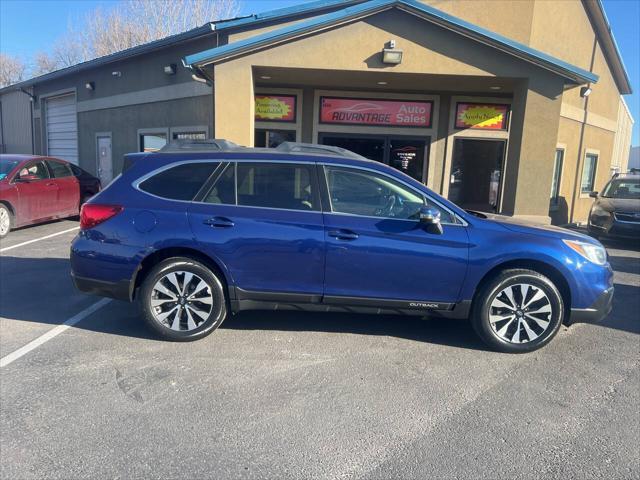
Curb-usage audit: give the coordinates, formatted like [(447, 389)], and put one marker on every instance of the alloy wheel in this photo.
[(5, 222), (181, 301), (520, 313)]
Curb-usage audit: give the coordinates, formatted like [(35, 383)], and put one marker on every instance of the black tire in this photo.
[(147, 294), (4, 210), (495, 290)]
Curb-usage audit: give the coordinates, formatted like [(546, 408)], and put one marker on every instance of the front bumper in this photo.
[(614, 227), (597, 311)]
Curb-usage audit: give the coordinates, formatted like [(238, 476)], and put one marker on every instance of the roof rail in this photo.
[(198, 146), (297, 147)]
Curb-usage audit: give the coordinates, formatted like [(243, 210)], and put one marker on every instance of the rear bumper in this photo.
[(118, 290), (597, 311)]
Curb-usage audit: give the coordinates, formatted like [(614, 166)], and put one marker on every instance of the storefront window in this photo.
[(152, 142), (273, 138), (557, 173), (589, 173), (189, 136)]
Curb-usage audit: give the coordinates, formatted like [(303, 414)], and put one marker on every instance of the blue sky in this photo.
[(28, 26)]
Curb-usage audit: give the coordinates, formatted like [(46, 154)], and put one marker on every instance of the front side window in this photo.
[(277, 185), (357, 192), (589, 173), (58, 169), (557, 173), (181, 182), (33, 171)]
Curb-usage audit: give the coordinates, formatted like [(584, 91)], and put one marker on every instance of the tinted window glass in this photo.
[(588, 173), (34, 171), (224, 190), (77, 171), (622, 188), (58, 169), (281, 185), (357, 192), (181, 182)]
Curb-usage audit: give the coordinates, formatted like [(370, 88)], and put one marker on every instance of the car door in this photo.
[(37, 191), (68, 191), (378, 252), (263, 221)]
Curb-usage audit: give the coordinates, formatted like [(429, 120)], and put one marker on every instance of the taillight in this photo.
[(93, 214)]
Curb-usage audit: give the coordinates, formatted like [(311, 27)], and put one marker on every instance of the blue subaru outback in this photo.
[(201, 230)]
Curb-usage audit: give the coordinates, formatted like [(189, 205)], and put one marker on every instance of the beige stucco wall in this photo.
[(428, 49)]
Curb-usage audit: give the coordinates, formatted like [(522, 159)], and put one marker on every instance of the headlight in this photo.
[(599, 211), (594, 253)]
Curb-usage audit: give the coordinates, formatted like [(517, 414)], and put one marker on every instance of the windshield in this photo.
[(6, 166), (622, 188)]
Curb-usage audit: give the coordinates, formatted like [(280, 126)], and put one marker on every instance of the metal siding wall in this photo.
[(16, 123), (62, 128)]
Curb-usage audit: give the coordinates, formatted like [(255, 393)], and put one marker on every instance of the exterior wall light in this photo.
[(116, 73), (390, 54), (90, 86), (170, 69), (585, 92)]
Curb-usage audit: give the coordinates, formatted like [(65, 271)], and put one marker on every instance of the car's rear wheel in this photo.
[(518, 311), (5, 221), (183, 300)]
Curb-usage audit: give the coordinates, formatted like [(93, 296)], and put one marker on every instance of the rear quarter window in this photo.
[(181, 182)]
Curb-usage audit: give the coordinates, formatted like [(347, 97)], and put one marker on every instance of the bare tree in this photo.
[(128, 24), (12, 70), (134, 22)]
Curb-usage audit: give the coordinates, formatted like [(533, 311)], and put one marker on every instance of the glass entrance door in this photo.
[(407, 154), (476, 173)]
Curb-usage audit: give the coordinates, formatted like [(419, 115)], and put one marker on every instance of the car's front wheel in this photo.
[(5, 221), (182, 300), (518, 311)]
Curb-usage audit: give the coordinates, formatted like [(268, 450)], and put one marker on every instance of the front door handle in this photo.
[(220, 222), (343, 234)]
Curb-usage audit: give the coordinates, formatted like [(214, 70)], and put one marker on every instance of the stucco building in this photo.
[(503, 106)]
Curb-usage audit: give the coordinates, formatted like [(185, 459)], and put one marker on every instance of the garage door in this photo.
[(62, 128)]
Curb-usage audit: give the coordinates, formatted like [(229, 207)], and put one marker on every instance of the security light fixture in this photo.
[(90, 86), (382, 83), (265, 77), (116, 73), (495, 87), (170, 69), (585, 92), (390, 54)]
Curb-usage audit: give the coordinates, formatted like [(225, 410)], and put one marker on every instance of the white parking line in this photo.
[(54, 332), (5, 249)]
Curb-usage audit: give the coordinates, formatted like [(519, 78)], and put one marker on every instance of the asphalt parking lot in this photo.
[(299, 395)]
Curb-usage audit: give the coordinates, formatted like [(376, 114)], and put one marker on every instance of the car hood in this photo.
[(619, 204), (532, 228)]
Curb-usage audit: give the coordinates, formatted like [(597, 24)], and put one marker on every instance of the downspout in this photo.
[(32, 100), (579, 163)]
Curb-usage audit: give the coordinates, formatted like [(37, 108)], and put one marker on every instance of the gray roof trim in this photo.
[(350, 13), (208, 28)]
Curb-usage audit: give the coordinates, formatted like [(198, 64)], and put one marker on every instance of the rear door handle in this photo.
[(220, 222), (343, 234)]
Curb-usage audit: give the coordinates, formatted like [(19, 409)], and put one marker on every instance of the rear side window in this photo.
[(58, 169), (277, 185), (224, 190), (181, 182)]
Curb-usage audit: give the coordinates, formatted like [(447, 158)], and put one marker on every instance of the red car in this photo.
[(36, 189)]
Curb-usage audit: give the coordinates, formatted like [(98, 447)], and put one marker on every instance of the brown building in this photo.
[(494, 121), (509, 106)]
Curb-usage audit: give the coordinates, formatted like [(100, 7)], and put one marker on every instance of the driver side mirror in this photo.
[(430, 218), (593, 194)]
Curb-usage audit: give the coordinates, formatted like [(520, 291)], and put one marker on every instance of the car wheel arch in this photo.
[(159, 255), (544, 268)]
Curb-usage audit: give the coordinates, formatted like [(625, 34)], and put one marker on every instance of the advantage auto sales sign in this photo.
[(361, 111)]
